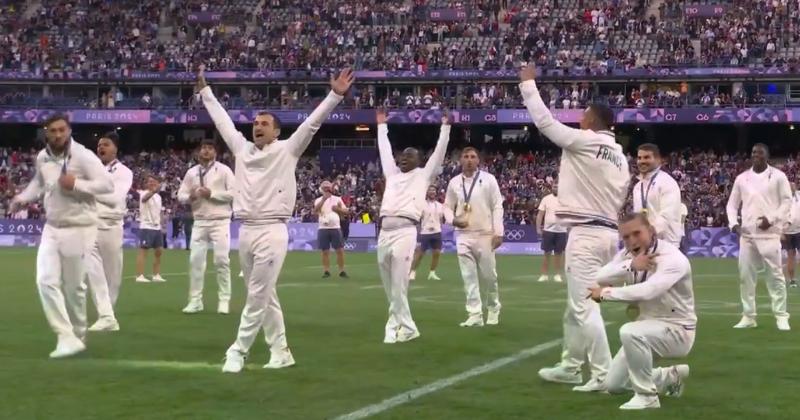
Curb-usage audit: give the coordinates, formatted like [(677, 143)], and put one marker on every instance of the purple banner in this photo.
[(447, 15), (519, 239), (708, 115), (704, 10), (204, 17), (521, 116), (415, 116)]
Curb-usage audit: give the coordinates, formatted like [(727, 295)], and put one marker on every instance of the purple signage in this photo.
[(519, 239), (413, 116), (704, 10), (204, 17), (447, 15)]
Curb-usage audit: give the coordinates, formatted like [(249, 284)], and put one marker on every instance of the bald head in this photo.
[(409, 159)]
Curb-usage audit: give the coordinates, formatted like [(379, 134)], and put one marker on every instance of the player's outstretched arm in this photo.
[(665, 276), (437, 157), (616, 272), (301, 138), (32, 192), (235, 140), (384, 146), (560, 134)]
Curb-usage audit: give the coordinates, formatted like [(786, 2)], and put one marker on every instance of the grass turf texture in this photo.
[(164, 364)]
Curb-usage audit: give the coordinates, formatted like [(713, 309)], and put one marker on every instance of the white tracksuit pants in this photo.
[(262, 250), (61, 275), (642, 341), (395, 255), (588, 250), (218, 233), (104, 270), (753, 253), (476, 259)]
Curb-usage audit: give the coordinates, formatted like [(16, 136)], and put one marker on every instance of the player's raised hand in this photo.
[(497, 241), (527, 72), (201, 79), (380, 116), (446, 117), (341, 84)]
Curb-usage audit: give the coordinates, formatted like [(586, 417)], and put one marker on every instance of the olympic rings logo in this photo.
[(515, 234), (349, 246)]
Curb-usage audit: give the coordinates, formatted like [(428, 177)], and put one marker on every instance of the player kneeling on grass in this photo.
[(659, 292)]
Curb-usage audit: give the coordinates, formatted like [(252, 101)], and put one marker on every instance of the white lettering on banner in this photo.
[(702, 117), (464, 118), (490, 117), (670, 117)]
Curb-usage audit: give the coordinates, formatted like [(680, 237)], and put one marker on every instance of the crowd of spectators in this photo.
[(580, 36), (705, 178), (468, 96)]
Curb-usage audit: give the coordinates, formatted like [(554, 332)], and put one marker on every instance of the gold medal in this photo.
[(467, 207)]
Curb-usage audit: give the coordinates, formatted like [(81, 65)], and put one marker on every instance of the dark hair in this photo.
[(629, 217), (113, 136), (603, 113), (54, 118), (276, 122), (763, 146), (650, 147), (208, 142)]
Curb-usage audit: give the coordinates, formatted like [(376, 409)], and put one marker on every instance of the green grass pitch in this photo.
[(166, 365)]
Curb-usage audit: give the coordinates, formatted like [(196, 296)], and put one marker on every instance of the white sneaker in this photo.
[(405, 336), (241, 274), (193, 307), (412, 276), (557, 278), (432, 276), (223, 308), (234, 362), (473, 321), (746, 322), (280, 359), (142, 279), (158, 279), (678, 374), (543, 278), (390, 337), (783, 324), (105, 324), (641, 402), (67, 346), (593, 385), (560, 375), (493, 317)]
